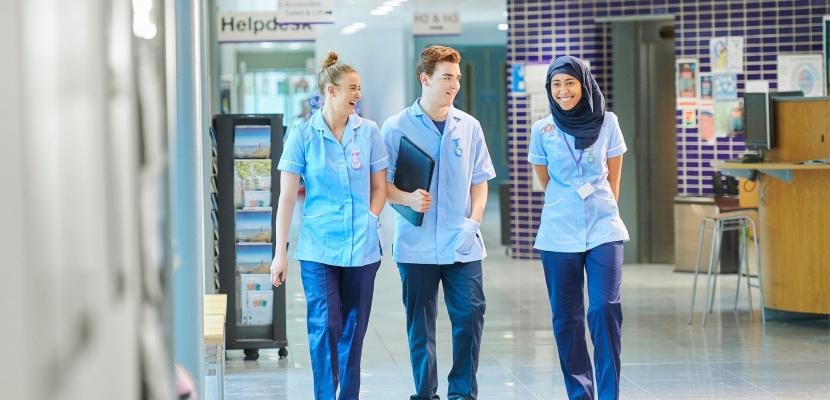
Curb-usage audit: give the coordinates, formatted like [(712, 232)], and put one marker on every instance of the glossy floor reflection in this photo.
[(663, 357)]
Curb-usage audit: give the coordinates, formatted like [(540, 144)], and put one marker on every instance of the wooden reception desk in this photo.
[(795, 207)]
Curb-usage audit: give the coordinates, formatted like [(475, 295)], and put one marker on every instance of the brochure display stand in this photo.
[(248, 148)]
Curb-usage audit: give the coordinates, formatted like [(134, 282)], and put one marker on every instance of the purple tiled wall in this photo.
[(542, 30)]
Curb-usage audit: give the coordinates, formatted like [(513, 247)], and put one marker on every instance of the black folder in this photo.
[(413, 171)]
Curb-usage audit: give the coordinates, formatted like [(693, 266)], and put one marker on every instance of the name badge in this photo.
[(585, 190)]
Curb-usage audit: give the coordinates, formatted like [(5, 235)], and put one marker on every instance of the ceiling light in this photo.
[(295, 46), (353, 28), (379, 12), (502, 27)]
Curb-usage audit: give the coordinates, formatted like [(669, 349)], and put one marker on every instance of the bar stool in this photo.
[(742, 221)]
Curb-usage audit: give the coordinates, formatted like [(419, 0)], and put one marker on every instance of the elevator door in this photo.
[(643, 74)]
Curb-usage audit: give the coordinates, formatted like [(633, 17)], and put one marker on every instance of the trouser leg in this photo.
[(464, 295), (322, 292), (565, 279), (420, 296), (603, 266), (357, 286)]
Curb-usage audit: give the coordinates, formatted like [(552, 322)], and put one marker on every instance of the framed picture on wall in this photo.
[(729, 118), (687, 85), (706, 89), (804, 72), (725, 86), (706, 123)]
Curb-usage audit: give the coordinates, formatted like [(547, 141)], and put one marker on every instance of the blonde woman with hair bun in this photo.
[(342, 159)]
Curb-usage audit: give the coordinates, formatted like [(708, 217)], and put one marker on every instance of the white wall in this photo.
[(381, 57)]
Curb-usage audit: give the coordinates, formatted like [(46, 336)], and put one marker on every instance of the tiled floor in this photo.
[(663, 357)]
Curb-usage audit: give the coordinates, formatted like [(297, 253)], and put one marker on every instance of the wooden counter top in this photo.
[(770, 166)]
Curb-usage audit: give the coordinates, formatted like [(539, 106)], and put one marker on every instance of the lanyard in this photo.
[(581, 153)]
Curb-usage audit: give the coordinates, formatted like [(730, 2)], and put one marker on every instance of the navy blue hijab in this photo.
[(584, 121)]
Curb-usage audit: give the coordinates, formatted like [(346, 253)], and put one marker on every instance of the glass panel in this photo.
[(291, 93)]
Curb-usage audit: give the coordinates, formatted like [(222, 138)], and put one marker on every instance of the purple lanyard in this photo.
[(581, 153)]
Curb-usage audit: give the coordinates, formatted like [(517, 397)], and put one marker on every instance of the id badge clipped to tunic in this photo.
[(585, 190)]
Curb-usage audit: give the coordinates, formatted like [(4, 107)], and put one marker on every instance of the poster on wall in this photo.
[(706, 90), (718, 55), (735, 54), (535, 75), (727, 54), (729, 118), (804, 72), (756, 86), (517, 71), (706, 125), (725, 86), (686, 83), (689, 118)]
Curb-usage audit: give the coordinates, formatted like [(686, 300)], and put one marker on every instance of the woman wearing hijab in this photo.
[(577, 154)]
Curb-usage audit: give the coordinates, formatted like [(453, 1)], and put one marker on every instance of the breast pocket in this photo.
[(556, 150)]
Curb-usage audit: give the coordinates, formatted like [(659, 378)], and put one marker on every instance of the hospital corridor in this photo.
[(415, 199)]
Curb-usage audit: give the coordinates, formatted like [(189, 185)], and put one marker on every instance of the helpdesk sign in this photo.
[(259, 27)]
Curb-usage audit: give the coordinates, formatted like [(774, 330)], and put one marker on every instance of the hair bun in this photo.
[(330, 60)]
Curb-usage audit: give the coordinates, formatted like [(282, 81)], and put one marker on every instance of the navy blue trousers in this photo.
[(464, 296), (565, 280), (339, 300)]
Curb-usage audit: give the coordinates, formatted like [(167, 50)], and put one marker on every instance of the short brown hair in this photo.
[(432, 55), (331, 71)]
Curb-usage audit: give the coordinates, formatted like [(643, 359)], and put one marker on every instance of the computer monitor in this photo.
[(758, 121), (759, 118)]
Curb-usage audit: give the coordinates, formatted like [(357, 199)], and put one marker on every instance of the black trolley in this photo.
[(245, 192)]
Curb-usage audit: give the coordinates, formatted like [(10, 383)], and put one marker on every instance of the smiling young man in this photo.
[(447, 249)]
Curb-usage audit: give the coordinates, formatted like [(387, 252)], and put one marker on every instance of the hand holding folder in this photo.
[(413, 171)]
